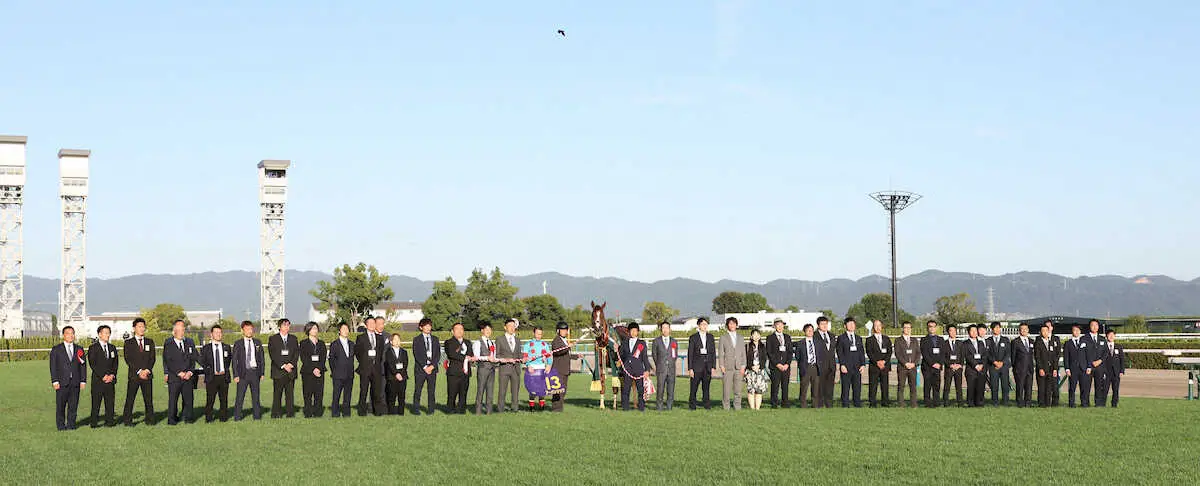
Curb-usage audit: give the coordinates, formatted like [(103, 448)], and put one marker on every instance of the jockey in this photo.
[(536, 355)]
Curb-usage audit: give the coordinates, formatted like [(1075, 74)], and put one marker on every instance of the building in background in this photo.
[(406, 314), (121, 323), (33, 324), (795, 321)]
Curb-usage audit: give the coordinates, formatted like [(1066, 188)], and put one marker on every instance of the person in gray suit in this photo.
[(508, 353), (731, 355), (666, 350), (485, 369)]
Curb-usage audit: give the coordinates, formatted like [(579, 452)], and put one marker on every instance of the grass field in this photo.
[(1146, 441)]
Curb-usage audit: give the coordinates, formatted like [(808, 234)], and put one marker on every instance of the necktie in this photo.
[(70, 355), (217, 358), (371, 338), (428, 347), (249, 352), (140, 345), (812, 357)]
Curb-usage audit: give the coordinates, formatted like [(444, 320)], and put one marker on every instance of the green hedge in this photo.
[(1153, 361)]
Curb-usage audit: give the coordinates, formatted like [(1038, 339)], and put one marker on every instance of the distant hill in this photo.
[(1033, 293)]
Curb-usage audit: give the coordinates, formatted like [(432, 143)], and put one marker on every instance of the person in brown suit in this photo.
[(908, 355)]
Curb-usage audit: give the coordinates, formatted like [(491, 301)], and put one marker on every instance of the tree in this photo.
[(163, 316), (733, 302), (754, 302), (445, 305), (1135, 324), (952, 310), (543, 310), (490, 298), (229, 324), (656, 312), (829, 314), (876, 306), (354, 292), (792, 308), (579, 318)]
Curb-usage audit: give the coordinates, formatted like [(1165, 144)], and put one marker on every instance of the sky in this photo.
[(708, 140)]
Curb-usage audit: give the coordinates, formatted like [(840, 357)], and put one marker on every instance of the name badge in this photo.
[(937, 351), (853, 348), (316, 358), (371, 353), (703, 351), (225, 353), (112, 355), (907, 351), (954, 356), (1084, 345), (977, 356), (1002, 344), (147, 347), (285, 352), (781, 347), (399, 366)]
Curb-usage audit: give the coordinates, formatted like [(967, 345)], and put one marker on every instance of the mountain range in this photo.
[(1026, 293)]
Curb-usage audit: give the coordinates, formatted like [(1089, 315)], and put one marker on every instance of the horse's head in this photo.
[(599, 323)]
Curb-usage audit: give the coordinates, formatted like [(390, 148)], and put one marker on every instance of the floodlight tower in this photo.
[(272, 194), (73, 191), (894, 202), (12, 199)]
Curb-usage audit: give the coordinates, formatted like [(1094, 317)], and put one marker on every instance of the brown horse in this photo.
[(606, 352)]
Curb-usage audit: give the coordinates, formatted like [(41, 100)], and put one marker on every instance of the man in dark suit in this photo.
[(341, 370), (561, 351), (312, 371), (908, 357), (952, 374), (975, 356), (458, 370), (179, 356), (508, 369), (932, 363), (1076, 366), (427, 354), (1045, 358), (806, 366), (879, 353), (851, 358), (666, 351), (249, 364), (140, 356), (68, 377), (779, 357), (284, 349), (368, 350), (826, 363), (215, 359), (485, 372), (395, 362), (1114, 367), (103, 358), (1096, 353), (999, 364), (635, 363), (1022, 363), (701, 362)]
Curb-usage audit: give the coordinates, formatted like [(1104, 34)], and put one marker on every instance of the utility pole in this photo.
[(894, 202)]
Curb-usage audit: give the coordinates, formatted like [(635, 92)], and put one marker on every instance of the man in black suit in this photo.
[(341, 369), (140, 356), (1114, 367), (395, 362), (952, 374), (879, 353), (179, 356), (285, 353), (68, 377), (932, 363), (701, 363), (312, 371), (999, 364), (1096, 353), (852, 358), (215, 359), (779, 356), (248, 367), (635, 363), (103, 358), (826, 363), (368, 350), (806, 366), (458, 370), (1076, 366), (427, 354), (1022, 363), (975, 356), (1045, 358)]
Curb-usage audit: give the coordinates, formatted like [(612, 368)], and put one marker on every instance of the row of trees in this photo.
[(951, 309), (491, 298)]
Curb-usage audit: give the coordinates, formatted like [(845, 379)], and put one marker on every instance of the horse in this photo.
[(605, 353)]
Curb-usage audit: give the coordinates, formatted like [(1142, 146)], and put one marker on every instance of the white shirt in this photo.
[(345, 345), (703, 340)]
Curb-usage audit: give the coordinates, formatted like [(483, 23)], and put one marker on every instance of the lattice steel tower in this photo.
[(73, 191), (894, 202), (12, 199), (272, 195)]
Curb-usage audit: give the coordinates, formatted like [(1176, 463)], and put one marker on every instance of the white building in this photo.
[(794, 321), (34, 324), (393, 312), (121, 323)]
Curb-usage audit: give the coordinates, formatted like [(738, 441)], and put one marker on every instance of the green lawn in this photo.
[(1145, 441)]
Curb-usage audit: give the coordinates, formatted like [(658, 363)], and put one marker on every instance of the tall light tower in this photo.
[(12, 280), (894, 202), (73, 190), (272, 194)]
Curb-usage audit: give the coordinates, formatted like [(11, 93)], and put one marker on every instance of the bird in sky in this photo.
[(562, 32)]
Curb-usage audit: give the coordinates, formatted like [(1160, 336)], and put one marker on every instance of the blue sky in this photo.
[(735, 139)]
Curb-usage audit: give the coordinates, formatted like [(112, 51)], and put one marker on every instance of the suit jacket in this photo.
[(283, 353), (1022, 355), (665, 354), (800, 347), (432, 356), (1073, 356), (1094, 348), (952, 353), (103, 363), (370, 359), (974, 354), (826, 354), (562, 357), (852, 358), (140, 358), (210, 365), (909, 352), (697, 361), (241, 366), (68, 370), (732, 352), (308, 350), (1114, 362), (456, 354), (341, 359), (779, 351), (998, 350), (1046, 353), (931, 352), (877, 352), (636, 361), (395, 360), (756, 355), (178, 359)]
